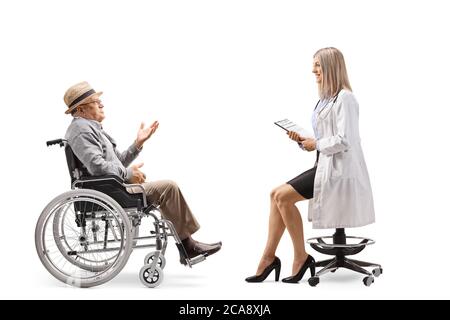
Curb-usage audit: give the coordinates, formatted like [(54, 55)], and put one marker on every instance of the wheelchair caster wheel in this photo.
[(161, 260), (377, 272), (313, 281), (368, 281), (151, 280)]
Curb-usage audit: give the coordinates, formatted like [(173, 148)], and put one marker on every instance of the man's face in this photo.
[(92, 110)]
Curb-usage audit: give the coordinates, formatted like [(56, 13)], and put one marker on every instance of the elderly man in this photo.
[(97, 152)]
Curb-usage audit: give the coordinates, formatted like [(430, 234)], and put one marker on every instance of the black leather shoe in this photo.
[(202, 249), (276, 264), (309, 263)]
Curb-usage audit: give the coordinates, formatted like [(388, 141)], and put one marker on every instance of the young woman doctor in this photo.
[(338, 185)]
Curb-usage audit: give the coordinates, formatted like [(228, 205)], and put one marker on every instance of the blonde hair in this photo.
[(334, 72)]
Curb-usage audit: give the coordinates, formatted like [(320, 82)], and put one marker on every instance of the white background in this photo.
[(216, 74)]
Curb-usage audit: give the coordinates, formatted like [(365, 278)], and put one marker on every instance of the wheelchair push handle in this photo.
[(56, 141)]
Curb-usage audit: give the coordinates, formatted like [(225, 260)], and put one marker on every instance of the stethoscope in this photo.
[(334, 101)]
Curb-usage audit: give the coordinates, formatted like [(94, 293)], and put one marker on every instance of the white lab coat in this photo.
[(342, 191)]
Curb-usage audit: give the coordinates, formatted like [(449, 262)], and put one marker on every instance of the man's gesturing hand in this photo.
[(137, 175), (145, 133)]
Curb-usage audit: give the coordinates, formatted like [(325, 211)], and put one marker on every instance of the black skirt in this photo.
[(304, 183)]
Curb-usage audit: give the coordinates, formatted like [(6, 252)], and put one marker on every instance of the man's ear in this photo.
[(77, 110)]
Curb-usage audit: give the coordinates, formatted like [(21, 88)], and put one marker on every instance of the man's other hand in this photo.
[(137, 175)]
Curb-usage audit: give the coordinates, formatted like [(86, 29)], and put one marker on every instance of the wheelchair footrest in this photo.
[(185, 260), (183, 254), (197, 259)]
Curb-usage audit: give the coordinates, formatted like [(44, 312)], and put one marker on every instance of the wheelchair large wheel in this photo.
[(65, 227), (83, 238)]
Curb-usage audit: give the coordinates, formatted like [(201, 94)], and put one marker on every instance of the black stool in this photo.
[(340, 249)]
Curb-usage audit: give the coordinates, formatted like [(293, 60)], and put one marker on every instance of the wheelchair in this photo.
[(85, 236)]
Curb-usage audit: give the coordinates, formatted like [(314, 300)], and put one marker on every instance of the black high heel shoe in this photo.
[(276, 264), (309, 263)]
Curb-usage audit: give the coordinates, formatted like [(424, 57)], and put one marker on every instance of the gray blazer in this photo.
[(97, 150)]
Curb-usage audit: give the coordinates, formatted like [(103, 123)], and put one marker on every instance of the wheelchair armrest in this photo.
[(106, 178), (99, 178)]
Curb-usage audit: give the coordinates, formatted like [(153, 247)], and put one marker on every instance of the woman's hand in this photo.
[(309, 144), (295, 136), (145, 133)]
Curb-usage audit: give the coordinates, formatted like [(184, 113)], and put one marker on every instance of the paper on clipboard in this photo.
[(288, 125)]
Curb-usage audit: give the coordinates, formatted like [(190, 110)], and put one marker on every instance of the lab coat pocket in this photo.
[(338, 165)]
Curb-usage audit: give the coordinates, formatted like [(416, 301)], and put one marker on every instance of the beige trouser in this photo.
[(173, 207)]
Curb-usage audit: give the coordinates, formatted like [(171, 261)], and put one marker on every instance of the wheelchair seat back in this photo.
[(76, 169), (109, 184)]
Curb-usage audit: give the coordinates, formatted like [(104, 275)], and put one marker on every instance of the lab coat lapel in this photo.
[(326, 110)]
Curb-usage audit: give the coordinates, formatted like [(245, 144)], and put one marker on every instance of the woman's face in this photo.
[(317, 70)]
